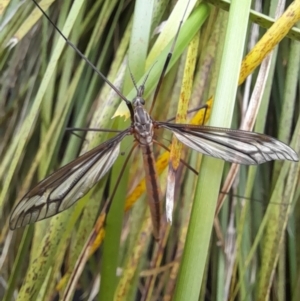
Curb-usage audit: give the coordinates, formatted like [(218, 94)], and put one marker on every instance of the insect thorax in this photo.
[(143, 126)]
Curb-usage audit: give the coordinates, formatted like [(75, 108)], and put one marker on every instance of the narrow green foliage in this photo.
[(46, 87)]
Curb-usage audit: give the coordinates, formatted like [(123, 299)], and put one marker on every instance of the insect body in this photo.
[(64, 187), (68, 184), (143, 130)]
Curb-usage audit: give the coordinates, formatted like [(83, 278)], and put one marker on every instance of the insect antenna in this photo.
[(140, 90), (133, 79)]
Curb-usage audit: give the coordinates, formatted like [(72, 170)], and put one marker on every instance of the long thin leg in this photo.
[(128, 103), (181, 160), (89, 245), (119, 177), (92, 130), (192, 111)]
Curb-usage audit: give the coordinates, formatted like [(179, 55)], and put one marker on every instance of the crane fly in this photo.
[(71, 182)]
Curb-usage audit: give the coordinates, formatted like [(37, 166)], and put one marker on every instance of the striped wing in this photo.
[(68, 184), (234, 146)]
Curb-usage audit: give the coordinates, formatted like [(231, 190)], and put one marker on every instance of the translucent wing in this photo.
[(234, 146), (68, 184)]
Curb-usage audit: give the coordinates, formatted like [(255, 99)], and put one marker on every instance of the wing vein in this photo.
[(234, 146), (68, 184)]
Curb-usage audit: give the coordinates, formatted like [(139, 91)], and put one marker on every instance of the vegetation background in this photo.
[(249, 251)]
